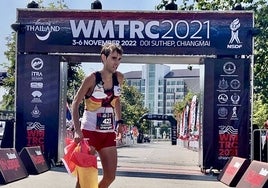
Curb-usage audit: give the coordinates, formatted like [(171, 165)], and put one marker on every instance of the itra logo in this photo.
[(37, 63), (42, 30), (234, 42)]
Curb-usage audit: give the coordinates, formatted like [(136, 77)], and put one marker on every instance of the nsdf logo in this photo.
[(234, 42)]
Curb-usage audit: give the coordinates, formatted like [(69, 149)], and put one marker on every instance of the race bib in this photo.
[(104, 121)]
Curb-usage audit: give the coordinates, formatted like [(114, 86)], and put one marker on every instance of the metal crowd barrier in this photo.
[(259, 149), (7, 129)]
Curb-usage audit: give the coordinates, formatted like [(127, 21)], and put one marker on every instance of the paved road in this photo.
[(147, 165), (162, 165)]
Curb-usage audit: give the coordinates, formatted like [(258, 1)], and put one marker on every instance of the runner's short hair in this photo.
[(109, 48)]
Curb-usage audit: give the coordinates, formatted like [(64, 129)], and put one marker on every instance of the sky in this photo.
[(8, 17)]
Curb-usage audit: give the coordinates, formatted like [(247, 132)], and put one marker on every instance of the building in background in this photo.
[(162, 87)]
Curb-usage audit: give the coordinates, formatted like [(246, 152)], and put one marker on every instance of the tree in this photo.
[(132, 105), (74, 80), (9, 81), (179, 106), (164, 128), (261, 54), (75, 73), (60, 4), (260, 112), (162, 4), (260, 9)]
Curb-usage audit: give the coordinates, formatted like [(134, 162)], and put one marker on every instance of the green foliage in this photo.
[(179, 106), (260, 68), (162, 4), (164, 128), (260, 112), (75, 73), (75, 78), (60, 4), (261, 55), (9, 82), (132, 105)]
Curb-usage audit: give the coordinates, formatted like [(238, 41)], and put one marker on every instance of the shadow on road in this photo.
[(159, 175)]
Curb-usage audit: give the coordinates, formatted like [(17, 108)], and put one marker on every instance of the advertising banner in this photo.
[(226, 118), (37, 103), (11, 166), (157, 33)]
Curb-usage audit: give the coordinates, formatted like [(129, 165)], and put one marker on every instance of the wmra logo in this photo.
[(42, 30), (234, 42)]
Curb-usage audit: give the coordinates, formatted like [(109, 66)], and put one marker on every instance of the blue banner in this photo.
[(157, 33), (226, 118), (37, 103)]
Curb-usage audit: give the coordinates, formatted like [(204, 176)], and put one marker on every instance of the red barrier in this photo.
[(33, 160), (255, 176), (233, 171), (11, 166)]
